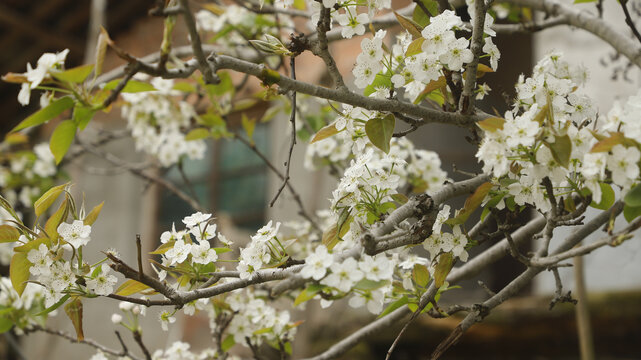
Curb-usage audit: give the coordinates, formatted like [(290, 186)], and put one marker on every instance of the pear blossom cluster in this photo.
[(347, 14), (264, 250), (47, 64), (443, 242), (59, 276), (190, 245), (253, 318), (157, 122), (551, 108), (412, 69)]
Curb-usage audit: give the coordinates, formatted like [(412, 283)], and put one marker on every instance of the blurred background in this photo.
[(236, 185)]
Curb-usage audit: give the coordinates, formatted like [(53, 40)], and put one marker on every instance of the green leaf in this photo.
[(82, 115), (133, 86), (185, 87), (130, 287), (5, 324), (93, 214), (380, 131), (633, 197), (400, 198), (561, 149), (415, 47), (380, 80), (430, 90), (33, 245), (54, 306), (491, 124), (51, 226), (583, 1), (19, 271), (420, 17), (8, 234), (227, 343), (249, 125), (54, 109), (163, 248), (101, 51), (393, 306), (225, 85), (607, 197), (308, 294), (198, 134), (76, 75), (410, 25), (490, 204), (74, 312), (420, 275), (368, 285), (47, 199), (607, 144), (221, 250), (61, 139), (630, 213), (445, 263), (472, 203), (324, 133)]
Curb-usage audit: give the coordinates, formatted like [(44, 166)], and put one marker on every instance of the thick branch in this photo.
[(581, 19), (466, 104)]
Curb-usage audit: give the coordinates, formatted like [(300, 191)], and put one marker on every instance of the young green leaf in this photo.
[(324, 133), (197, 134), (82, 115), (380, 131), (445, 263), (93, 214), (607, 197), (633, 197), (133, 86), (607, 144), (561, 149), (61, 139), (43, 115), (130, 287), (415, 47), (630, 212), (491, 124), (410, 25), (308, 294), (393, 306), (8, 234), (76, 75), (249, 125), (73, 309), (19, 271), (47, 199), (420, 275)]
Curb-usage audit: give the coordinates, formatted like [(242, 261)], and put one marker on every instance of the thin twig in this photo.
[(138, 337), (125, 351), (292, 120), (628, 19), (132, 69), (466, 103), (139, 253), (205, 68)]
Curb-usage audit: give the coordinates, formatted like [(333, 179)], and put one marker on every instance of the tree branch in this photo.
[(466, 104)]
